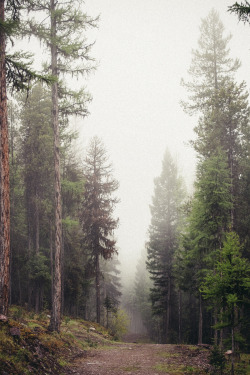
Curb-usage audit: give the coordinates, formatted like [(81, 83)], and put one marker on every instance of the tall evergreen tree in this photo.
[(227, 286), (97, 210), (36, 154), (69, 54), (209, 221), (16, 71), (163, 241), (221, 103)]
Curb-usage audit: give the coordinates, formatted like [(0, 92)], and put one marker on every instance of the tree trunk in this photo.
[(233, 349), (200, 321), (216, 330), (4, 181), (168, 309), (37, 225), (55, 321), (179, 316), (97, 288)]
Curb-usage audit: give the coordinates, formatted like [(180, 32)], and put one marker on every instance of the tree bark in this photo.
[(97, 286), (168, 308), (179, 316), (200, 321), (4, 181), (55, 321)]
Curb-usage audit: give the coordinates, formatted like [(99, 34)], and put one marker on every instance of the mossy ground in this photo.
[(35, 350)]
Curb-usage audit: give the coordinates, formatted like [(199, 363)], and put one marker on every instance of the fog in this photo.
[(143, 49)]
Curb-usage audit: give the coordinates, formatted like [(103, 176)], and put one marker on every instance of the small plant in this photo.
[(17, 313), (217, 360)]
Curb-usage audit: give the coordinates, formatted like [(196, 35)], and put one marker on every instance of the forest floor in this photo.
[(142, 359)]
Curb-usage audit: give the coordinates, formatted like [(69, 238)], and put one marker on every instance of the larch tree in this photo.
[(163, 241), (15, 71), (97, 211), (69, 54)]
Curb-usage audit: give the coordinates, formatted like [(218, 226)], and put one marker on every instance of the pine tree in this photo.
[(97, 210), (163, 241)]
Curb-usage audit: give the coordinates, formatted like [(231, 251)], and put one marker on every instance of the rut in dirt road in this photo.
[(143, 359)]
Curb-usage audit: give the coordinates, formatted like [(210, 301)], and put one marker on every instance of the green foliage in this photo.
[(38, 268), (217, 360), (119, 324), (228, 284), (164, 234), (242, 10)]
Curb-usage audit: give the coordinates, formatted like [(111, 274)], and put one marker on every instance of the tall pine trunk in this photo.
[(4, 181), (168, 309), (200, 321), (179, 316), (57, 295), (97, 286)]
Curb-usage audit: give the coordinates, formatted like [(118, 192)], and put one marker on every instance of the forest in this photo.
[(58, 245)]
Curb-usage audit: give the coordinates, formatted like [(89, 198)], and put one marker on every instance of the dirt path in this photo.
[(143, 359)]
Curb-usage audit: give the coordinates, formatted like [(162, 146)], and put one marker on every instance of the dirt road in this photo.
[(143, 359)]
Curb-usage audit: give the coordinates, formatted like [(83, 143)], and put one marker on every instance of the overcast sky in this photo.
[(144, 49)]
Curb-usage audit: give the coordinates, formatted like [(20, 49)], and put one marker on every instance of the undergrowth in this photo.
[(32, 349)]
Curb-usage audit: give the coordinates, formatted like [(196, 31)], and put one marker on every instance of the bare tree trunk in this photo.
[(200, 321), (215, 322), (179, 316), (51, 263), (97, 287), (37, 223), (37, 249), (55, 321), (4, 181), (233, 348), (168, 308)]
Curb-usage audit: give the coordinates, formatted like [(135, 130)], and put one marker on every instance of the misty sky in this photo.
[(144, 49)]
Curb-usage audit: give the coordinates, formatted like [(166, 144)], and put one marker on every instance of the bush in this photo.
[(217, 360), (119, 324)]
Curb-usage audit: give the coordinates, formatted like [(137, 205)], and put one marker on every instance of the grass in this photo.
[(177, 370), (131, 368), (168, 354)]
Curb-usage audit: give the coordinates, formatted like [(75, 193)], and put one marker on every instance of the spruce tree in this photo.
[(221, 103), (163, 242), (227, 286), (97, 210), (209, 221)]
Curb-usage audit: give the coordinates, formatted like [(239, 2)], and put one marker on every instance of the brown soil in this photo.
[(143, 359)]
